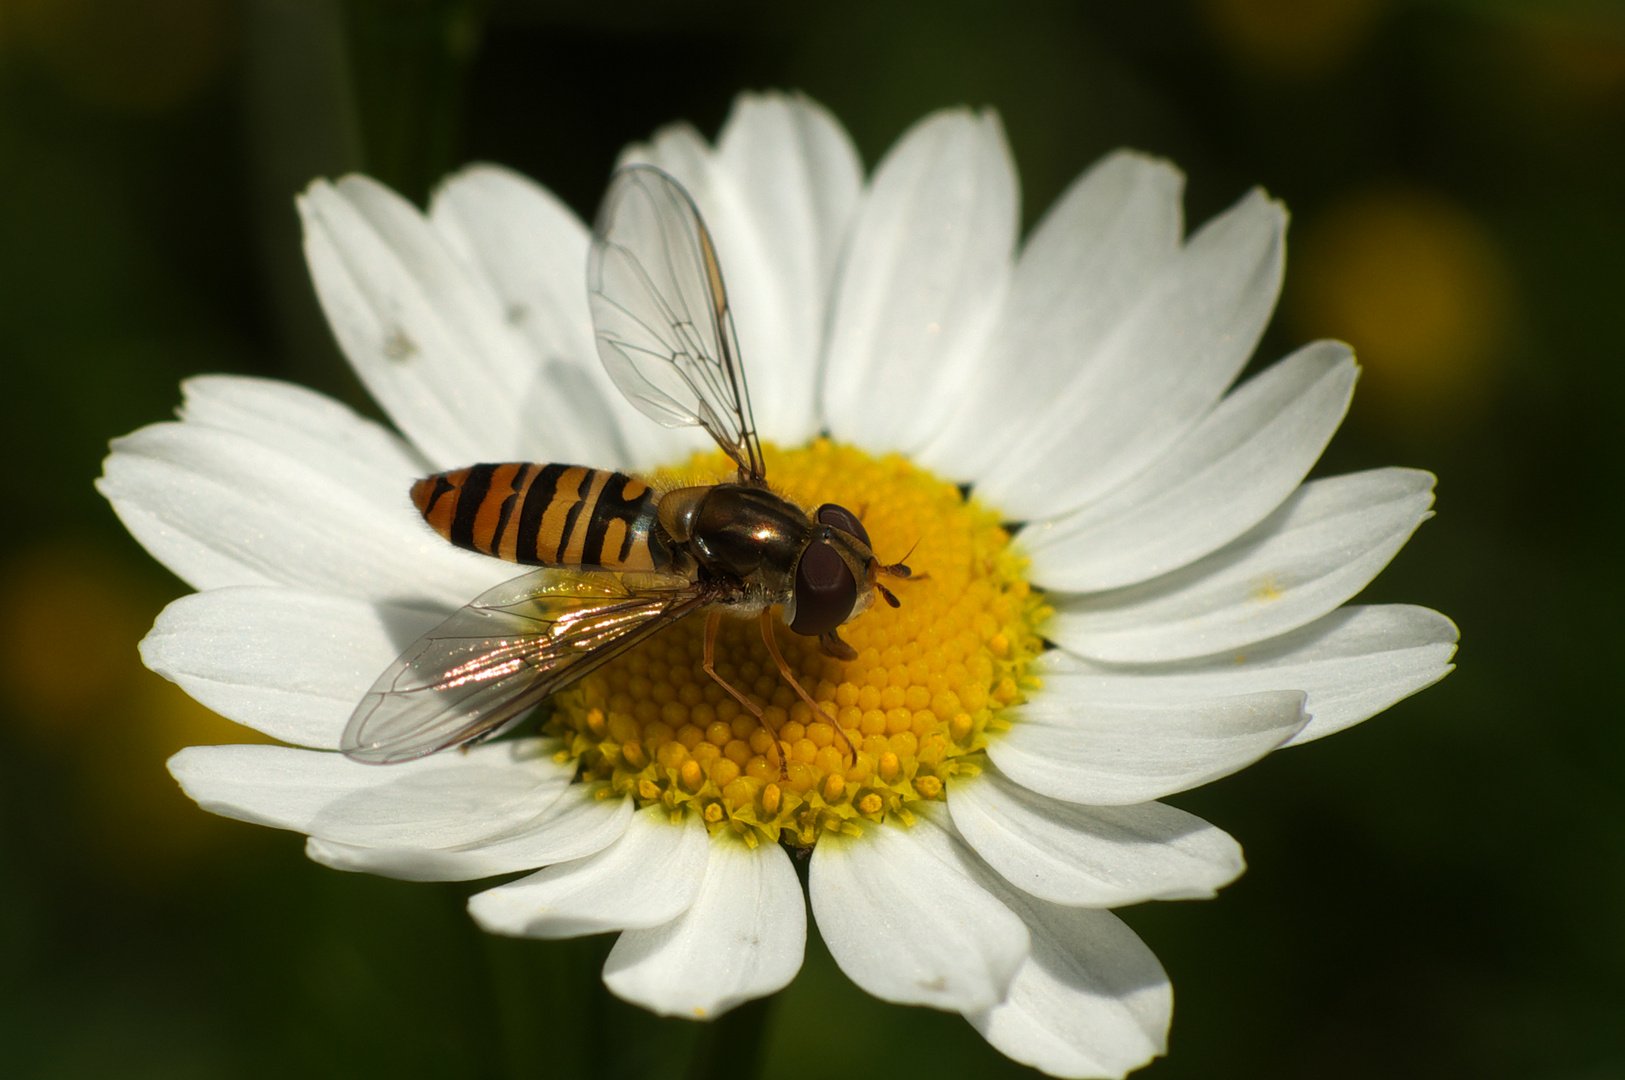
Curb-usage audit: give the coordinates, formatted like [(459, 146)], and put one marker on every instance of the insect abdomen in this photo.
[(546, 515)]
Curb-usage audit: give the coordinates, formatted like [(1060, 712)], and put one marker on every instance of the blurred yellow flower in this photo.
[(75, 688), (1294, 38), (1420, 284), (65, 628), (128, 55), (1581, 62)]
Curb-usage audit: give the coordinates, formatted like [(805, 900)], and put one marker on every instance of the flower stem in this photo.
[(730, 1047)]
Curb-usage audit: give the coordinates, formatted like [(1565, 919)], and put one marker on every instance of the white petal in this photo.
[(530, 251), (1091, 1000), (1353, 664), (576, 825), (1154, 376), (1239, 463), (1113, 753), (290, 663), (1088, 261), (308, 427), (908, 923), (269, 426), (529, 247), (221, 508), (440, 801), (432, 346), (1320, 548), (741, 939), (798, 168), (681, 151), (648, 877), (923, 281), (1091, 856), (797, 176)]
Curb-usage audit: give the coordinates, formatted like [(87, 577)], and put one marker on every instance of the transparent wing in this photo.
[(661, 316), (503, 653)]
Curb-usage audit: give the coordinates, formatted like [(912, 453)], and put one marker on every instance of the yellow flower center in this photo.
[(916, 705)]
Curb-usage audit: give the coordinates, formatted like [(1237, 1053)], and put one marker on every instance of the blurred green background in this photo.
[(1440, 892)]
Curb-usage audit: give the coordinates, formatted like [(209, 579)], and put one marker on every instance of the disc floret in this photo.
[(916, 705)]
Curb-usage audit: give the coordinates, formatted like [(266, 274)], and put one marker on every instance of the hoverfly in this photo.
[(620, 559)]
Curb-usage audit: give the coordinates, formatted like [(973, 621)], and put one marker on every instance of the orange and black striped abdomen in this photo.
[(547, 515)]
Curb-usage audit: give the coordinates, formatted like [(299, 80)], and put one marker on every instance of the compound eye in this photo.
[(825, 590), (839, 517)]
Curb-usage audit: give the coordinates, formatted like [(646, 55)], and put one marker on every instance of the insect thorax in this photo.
[(746, 533)]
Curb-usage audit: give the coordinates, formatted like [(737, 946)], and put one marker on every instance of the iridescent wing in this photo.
[(503, 653), (661, 316)]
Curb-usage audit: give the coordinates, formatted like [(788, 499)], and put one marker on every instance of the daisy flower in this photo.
[(1125, 587)]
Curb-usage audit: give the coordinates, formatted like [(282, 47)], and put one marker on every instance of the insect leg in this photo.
[(713, 622), (784, 669)]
